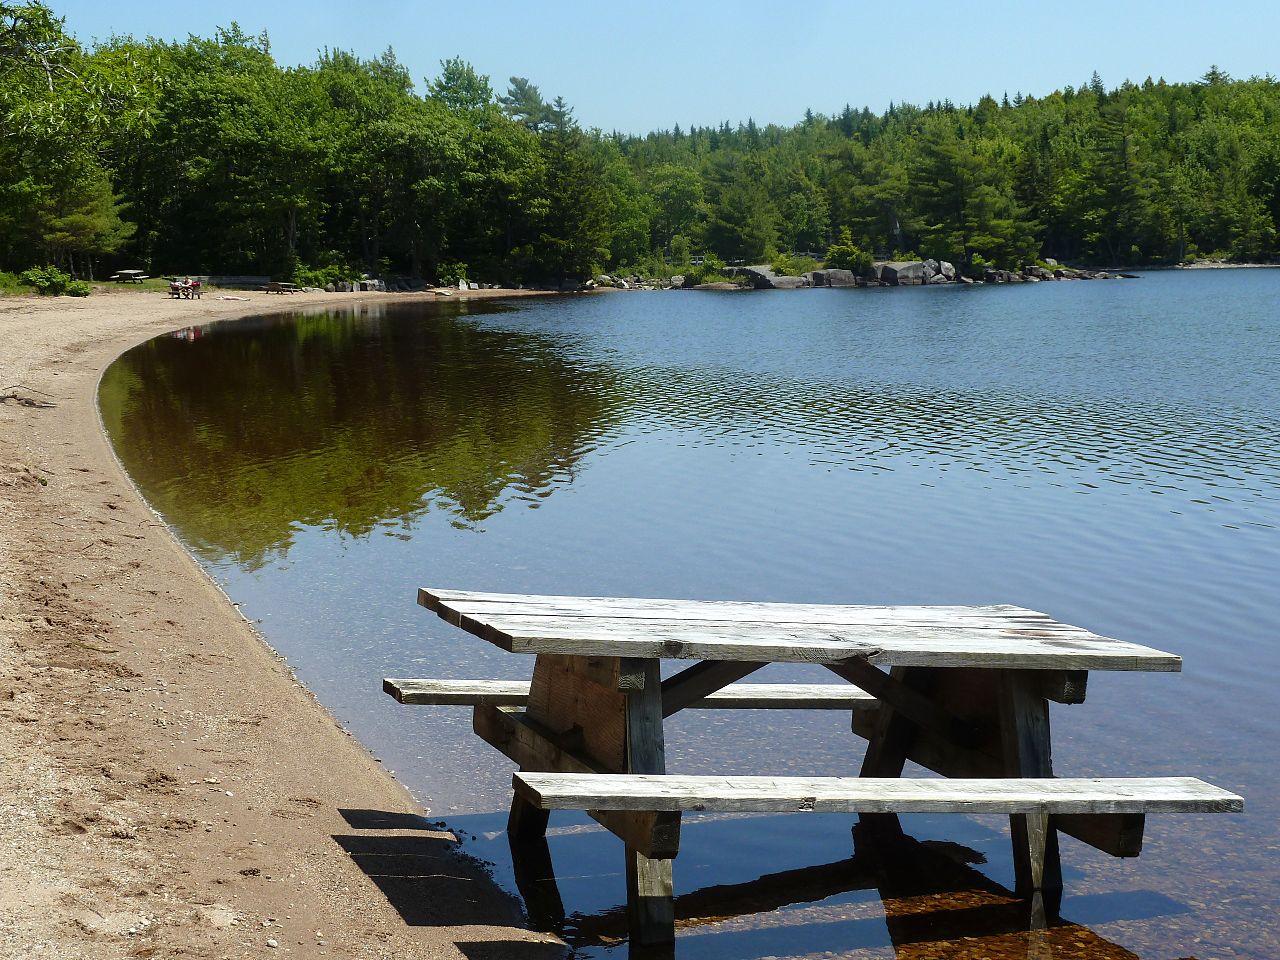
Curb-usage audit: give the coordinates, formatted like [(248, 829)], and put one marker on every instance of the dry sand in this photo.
[(167, 788)]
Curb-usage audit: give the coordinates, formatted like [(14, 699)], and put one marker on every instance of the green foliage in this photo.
[(334, 272), (206, 155), (791, 265), (680, 250), (451, 273), (711, 270), (78, 288), (48, 281), (844, 254)]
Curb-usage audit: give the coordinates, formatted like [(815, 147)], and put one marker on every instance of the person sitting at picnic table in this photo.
[(185, 288)]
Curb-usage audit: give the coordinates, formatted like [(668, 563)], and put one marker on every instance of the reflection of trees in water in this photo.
[(358, 420), (346, 421)]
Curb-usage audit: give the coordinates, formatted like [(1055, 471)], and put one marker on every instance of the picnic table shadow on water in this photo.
[(893, 895)]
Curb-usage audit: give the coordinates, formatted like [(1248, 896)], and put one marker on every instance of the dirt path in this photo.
[(167, 789)]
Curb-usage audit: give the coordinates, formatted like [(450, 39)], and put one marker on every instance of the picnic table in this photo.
[(185, 288), (129, 276), (966, 694)]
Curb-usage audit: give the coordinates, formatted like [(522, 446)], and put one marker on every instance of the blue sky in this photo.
[(640, 66)]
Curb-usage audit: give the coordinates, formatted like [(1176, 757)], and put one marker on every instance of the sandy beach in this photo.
[(168, 789)]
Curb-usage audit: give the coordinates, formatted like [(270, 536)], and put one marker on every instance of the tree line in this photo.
[(207, 156)]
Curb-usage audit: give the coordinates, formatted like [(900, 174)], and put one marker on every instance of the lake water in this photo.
[(1106, 452)]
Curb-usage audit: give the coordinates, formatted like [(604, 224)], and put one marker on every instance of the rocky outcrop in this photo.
[(904, 273), (721, 285), (895, 273), (762, 277), (832, 277)]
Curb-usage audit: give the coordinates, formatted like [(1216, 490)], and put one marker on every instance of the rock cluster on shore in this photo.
[(635, 282), (910, 273), (886, 273)]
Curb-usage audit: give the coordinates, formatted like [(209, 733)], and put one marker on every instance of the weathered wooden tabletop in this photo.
[(999, 636)]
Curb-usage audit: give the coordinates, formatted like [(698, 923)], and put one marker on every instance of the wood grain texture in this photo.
[(650, 886), (578, 699), (1028, 752), (982, 636), (875, 795), (736, 696), (499, 693)]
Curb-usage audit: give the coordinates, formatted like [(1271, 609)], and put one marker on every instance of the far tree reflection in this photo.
[(346, 420)]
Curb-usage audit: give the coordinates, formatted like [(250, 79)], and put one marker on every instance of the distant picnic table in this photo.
[(129, 276), (966, 695), (185, 288)]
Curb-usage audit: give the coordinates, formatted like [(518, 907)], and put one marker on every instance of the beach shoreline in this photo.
[(168, 787)]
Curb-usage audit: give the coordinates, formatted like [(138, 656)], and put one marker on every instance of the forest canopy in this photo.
[(207, 156)]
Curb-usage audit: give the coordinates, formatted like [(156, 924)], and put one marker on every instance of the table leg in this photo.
[(894, 734), (526, 824), (650, 893), (536, 880), (1024, 720)]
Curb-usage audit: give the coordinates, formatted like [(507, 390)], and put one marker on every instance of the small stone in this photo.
[(273, 943)]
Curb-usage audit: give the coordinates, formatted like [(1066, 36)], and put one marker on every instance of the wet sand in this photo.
[(167, 788)]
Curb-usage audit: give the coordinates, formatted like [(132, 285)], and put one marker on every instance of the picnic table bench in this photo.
[(966, 695)]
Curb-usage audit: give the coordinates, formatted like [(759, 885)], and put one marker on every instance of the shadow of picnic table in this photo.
[(934, 903)]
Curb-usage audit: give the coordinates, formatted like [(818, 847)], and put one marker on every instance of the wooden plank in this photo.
[(626, 792), (736, 696), (720, 610), (1063, 686), (533, 746), (580, 701), (905, 700), (499, 693), (1004, 637), (1024, 720), (650, 886), (1117, 834), (695, 683), (789, 696)]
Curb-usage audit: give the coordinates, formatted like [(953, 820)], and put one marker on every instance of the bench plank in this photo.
[(991, 636), (874, 795), (736, 696)]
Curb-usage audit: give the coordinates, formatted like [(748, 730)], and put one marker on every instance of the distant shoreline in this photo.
[(1213, 265)]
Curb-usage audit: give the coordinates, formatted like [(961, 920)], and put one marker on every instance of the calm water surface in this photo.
[(1108, 453)]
